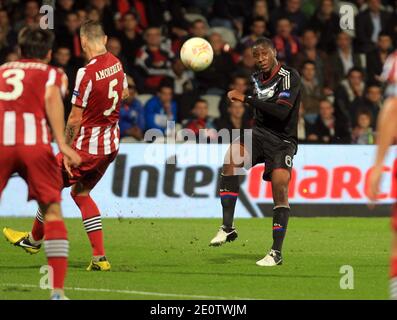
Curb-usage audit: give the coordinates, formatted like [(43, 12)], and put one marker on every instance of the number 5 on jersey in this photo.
[(112, 95)]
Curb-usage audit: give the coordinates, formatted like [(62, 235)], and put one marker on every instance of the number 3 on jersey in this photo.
[(14, 78), (112, 95)]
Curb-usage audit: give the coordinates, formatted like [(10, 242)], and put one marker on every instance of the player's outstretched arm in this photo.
[(55, 114), (387, 130), (74, 123), (278, 110)]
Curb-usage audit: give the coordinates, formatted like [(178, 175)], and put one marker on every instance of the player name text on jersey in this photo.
[(105, 73)]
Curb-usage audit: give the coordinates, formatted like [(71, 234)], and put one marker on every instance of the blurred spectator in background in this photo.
[(215, 79), (183, 78), (363, 132), (310, 52), (234, 120), (185, 91), (69, 37), (161, 108), (239, 83), (291, 11), (258, 29), (344, 58), (259, 10), (286, 44), (377, 57), (325, 22), (230, 14), (113, 45), (63, 7), (328, 128), (369, 24), (199, 28), (106, 15), (247, 64), (61, 58), (130, 39), (93, 14), (31, 11), (154, 60), (200, 120), (348, 94), (391, 28), (311, 91), (132, 117), (372, 102), (8, 35), (81, 15), (304, 127)]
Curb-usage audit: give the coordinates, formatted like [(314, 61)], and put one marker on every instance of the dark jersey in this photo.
[(282, 87)]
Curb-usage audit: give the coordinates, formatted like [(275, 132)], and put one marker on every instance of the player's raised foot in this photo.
[(58, 295), (273, 258), (101, 264), (21, 239), (224, 236)]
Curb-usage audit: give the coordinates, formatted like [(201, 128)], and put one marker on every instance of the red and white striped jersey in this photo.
[(389, 74), (98, 89), (22, 101)]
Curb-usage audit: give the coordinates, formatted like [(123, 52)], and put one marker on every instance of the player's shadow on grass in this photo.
[(228, 257), (78, 264), (14, 267)]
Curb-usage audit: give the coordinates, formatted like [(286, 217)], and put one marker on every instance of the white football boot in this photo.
[(273, 258), (222, 237)]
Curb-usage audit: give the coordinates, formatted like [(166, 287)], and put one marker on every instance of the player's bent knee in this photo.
[(51, 212)]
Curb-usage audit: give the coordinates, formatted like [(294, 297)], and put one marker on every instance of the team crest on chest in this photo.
[(264, 93)]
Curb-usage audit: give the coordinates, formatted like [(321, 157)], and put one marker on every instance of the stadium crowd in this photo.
[(342, 90)]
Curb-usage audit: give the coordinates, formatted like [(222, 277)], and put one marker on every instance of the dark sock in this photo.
[(228, 191), (280, 222)]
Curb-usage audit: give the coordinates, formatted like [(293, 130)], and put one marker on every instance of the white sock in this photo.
[(393, 288)]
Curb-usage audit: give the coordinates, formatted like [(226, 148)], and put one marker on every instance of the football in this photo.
[(196, 54)]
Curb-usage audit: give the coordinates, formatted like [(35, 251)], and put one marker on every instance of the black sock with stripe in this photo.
[(228, 191), (280, 222)]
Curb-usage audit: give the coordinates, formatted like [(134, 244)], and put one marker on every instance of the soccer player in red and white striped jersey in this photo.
[(386, 134), (30, 93), (92, 130)]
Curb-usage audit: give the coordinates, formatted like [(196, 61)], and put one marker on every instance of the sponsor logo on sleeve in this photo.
[(284, 94)]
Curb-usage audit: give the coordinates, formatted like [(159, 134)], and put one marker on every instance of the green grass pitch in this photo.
[(171, 259)]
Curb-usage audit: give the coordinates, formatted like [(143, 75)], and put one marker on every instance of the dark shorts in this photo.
[(273, 151)]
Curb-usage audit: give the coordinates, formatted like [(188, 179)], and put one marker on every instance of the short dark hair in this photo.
[(258, 19), (167, 82), (308, 62), (239, 76), (383, 34), (35, 43), (130, 13), (355, 69), (200, 100), (194, 22), (364, 111), (263, 42)]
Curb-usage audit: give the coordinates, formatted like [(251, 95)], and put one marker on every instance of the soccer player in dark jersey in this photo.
[(273, 140)]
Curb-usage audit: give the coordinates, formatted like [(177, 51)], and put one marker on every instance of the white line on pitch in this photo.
[(143, 293)]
